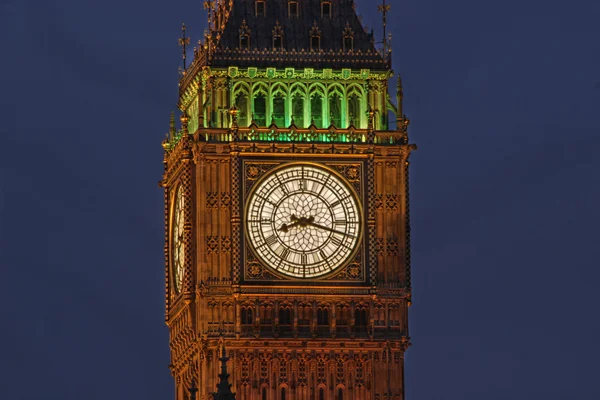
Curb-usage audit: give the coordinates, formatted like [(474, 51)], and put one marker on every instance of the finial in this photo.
[(193, 389), (370, 127), (224, 387), (234, 112), (384, 9), (184, 123), (172, 131), (183, 42), (209, 5)]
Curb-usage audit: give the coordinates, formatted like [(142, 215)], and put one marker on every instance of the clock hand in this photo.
[(302, 222), (325, 228), (286, 227)]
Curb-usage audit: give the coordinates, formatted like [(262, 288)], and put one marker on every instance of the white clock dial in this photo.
[(177, 244), (303, 221)]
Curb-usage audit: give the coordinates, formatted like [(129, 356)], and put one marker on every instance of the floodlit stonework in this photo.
[(287, 232)]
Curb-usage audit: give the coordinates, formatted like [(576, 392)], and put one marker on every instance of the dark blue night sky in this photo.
[(504, 102)]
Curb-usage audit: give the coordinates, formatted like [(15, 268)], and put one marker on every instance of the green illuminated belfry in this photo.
[(286, 70)]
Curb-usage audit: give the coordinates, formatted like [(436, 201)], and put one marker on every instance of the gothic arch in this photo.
[(298, 104), (336, 105), (267, 311), (279, 89), (240, 86), (317, 88), (260, 88), (355, 97), (336, 88), (279, 104), (355, 89), (260, 104), (298, 88), (318, 109)]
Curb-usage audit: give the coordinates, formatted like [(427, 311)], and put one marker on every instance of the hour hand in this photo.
[(285, 227)]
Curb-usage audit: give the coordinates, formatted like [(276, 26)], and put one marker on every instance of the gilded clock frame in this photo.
[(357, 258), (175, 291)]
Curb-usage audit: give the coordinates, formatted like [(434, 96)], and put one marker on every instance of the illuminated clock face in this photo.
[(303, 221), (177, 245)]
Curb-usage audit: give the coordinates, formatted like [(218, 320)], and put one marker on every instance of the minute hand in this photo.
[(325, 228)]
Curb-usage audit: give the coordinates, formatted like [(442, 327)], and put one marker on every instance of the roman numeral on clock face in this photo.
[(335, 240), (271, 240), (303, 259)]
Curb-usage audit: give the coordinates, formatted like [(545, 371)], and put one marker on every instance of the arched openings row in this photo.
[(322, 317), (279, 103)]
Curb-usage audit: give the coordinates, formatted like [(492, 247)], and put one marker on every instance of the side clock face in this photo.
[(303, 221), (177, 245)]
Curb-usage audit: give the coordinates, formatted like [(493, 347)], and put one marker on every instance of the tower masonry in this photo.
[(287, 230)]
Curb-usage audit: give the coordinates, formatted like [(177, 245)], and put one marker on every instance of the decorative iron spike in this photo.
[(183, 42), (384, 9)]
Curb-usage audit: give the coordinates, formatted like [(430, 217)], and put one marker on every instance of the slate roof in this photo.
[(296, 37)]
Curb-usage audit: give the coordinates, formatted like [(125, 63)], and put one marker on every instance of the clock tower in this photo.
[(287, 235)]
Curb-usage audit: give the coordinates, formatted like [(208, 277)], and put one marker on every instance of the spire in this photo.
[(193, 389), (183, 42), (224, 387), (384, 9)]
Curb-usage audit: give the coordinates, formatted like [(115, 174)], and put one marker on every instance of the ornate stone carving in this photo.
[(254, 171), (351, 172), (212, 244), (212, 200), (391, 202), (378, 202), (379, 246), (225, 244)]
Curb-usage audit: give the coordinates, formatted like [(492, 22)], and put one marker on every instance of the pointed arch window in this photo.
[(348, 35), (260, 110), (316, 109), (321, 394), (264, 393), (342, 316), (244, 36), (323, 319), (340, 395), (277, 36), (293, 9), (285, 319), (335, 110), (282, 394), (354, 110), (247, 316), (326, 9), (241, 103), (361, 319), (322, 316), (261, 8), (315, 37), (298, 110), (279, 110)]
